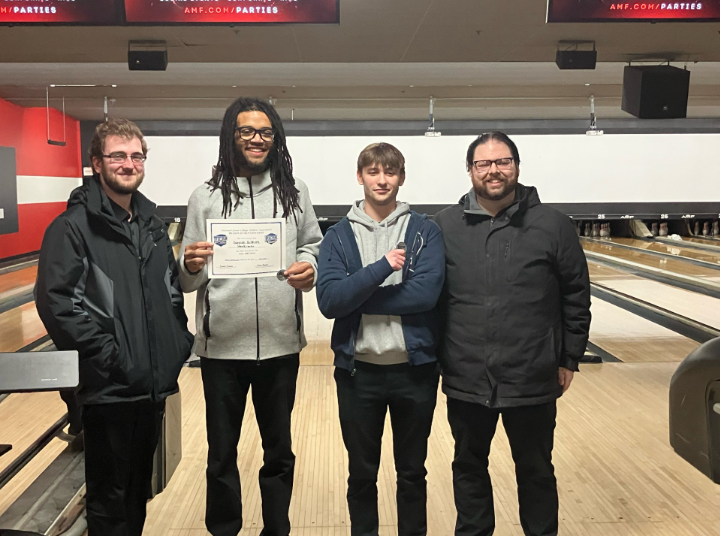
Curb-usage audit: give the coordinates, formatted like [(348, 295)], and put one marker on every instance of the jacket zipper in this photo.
[(257, 302)]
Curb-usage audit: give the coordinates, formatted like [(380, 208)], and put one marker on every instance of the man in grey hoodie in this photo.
[(381, 271), (249, 331)]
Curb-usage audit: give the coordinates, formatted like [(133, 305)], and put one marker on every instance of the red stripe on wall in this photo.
[(33, 219)]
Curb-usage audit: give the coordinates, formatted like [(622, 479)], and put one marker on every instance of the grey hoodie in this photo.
[(380, 338), (237, 318)]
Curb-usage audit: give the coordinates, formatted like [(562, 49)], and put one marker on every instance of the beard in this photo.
[(255, 168), (482, 191), (112, 182)]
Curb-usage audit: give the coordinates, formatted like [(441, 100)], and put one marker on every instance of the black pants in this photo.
[(226, 384), (120, 440), (530, 430), (363, 399)]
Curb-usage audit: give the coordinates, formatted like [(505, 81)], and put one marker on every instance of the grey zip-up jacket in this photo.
[(255, 318)]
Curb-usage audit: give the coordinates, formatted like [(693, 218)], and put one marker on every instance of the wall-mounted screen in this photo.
[(231, 11), (91, 12), (613, 11)]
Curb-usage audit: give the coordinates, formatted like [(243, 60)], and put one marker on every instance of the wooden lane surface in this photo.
[(617, 474), (693, 305), (670, 249), (24, 417), (699, 240), (633, 339), (17, 282), (671, 265), (19, 327)]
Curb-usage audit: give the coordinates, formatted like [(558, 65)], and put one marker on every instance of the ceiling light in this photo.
[(587, 84), (113, 85)]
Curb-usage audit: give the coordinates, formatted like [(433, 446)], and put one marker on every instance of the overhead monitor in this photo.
[(86, 12), (231, 11), (633, 11)]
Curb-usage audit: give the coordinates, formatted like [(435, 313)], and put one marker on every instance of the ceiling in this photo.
[(481, 59)]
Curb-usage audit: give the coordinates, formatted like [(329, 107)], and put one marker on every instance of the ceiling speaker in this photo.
[(655, 92), (576, 59), (147, 60)]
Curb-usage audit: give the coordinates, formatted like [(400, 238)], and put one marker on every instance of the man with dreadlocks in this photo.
[(249, 331)]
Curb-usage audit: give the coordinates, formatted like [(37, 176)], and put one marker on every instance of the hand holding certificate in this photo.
[(246, 248)]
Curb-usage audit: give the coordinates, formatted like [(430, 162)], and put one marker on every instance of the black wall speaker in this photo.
[(147, 60), (655, 92), (576, 59)]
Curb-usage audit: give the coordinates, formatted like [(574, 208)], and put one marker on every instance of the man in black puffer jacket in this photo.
[(515, 314), (107, 287)]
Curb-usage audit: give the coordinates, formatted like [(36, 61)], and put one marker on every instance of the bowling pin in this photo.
[(663, 229), (696, 230), (706, 229), (587, 229), (716, 228), (596, 229), (654, 229)]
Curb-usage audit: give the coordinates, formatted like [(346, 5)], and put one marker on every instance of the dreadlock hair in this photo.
[(225, 171)]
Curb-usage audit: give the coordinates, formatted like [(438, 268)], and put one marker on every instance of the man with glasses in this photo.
[(515, 317), (107, 287), (249, 330)]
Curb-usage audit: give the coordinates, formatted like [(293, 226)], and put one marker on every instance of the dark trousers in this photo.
[(363, 399), (226, 384), (530, 430), (120, 441)]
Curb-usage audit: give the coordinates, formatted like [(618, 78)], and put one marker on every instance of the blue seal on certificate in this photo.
[(271, 238), (220, 240)]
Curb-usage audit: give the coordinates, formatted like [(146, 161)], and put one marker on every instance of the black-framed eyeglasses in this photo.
[(120, 158), (501, 163), (248, 133)]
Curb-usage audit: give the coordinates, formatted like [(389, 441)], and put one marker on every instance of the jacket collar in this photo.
[(97, 203), (525, 197), (260, 183)]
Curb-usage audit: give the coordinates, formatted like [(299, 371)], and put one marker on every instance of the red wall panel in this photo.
[(33, 220), (11, 123), (36, 157), (25, 129)]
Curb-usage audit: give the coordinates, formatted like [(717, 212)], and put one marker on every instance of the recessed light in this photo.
[(587, 84), (234, 86), (294, 86), (412, 86), (113, 85), (469, 85)]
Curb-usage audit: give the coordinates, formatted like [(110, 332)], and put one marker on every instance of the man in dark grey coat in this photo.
[(515, 317)]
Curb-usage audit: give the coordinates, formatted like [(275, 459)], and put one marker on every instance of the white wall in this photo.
[(564, 168)]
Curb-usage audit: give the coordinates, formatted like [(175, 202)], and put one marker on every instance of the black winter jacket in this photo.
[(516, 301), (120, 308)]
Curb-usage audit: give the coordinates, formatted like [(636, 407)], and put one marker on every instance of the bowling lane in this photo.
[(706, 241), (18, 282), (676, 250), (19, 327), (698, 307), (633, 339), (652, 261)]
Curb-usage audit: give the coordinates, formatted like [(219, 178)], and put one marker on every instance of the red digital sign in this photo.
[(92, 12), (231, 11), (613, 11)]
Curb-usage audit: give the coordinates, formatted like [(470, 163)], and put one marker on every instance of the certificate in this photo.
[(246, 248)]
